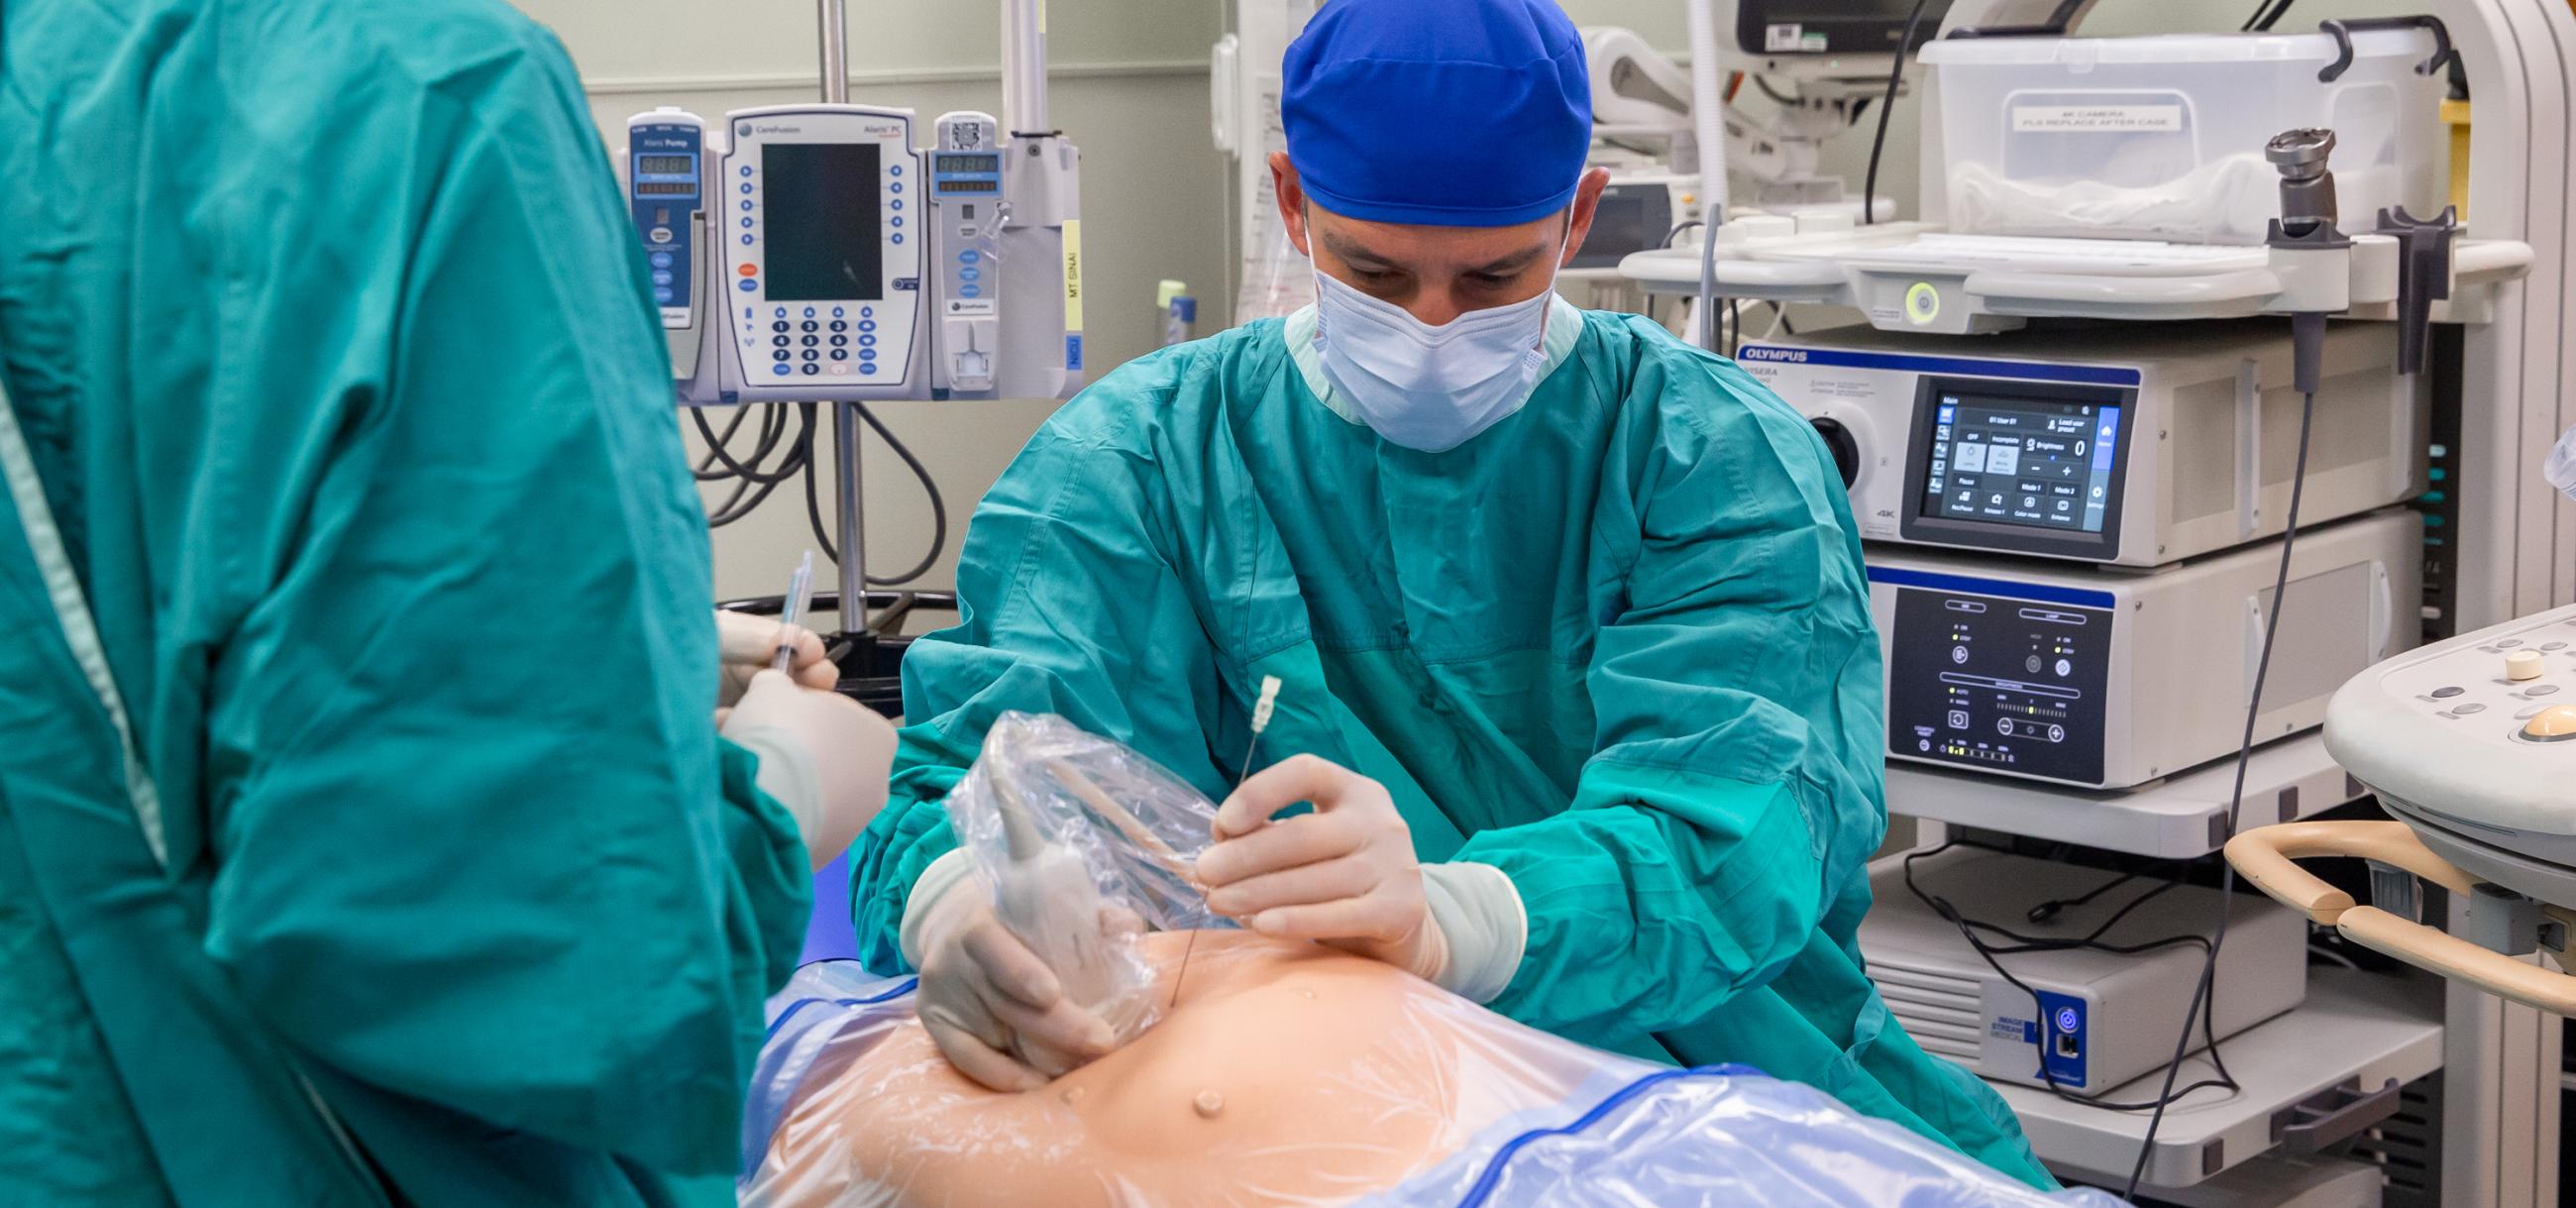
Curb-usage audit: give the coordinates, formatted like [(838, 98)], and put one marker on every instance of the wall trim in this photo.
[(880, 77)]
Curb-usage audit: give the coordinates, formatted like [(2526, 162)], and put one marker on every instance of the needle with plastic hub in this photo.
[(791, 613), (1261, 711)]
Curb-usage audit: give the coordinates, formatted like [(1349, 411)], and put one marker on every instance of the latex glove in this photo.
[(1346, 875), (994, 1009), (822, 755), (746, 644)]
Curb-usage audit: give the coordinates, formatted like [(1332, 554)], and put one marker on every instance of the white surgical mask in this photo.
[(1426, 387)]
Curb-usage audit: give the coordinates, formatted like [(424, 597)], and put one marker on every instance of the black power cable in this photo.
[(749, 466), (748, 473), (938, 505), (1887, 109), (2267, 13), (701, 470), (2092, 941), (2236, 799), (755, 476)]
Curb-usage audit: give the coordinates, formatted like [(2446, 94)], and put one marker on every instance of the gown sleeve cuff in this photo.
[(1478, 911), (948, 876), (787, 774)]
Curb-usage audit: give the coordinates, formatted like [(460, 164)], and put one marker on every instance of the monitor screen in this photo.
[(1768, 27), (819, 210), (665, 165), (1630, 218), (2032, 462), (966, 162)]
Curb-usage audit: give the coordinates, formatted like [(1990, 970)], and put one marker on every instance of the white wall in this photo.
[(1130, 87)]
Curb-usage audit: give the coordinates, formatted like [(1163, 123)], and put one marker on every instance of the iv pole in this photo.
[(1024, 115), (845, 416)]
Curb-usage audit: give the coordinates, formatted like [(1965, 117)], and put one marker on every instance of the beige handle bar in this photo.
[(2266, 856)]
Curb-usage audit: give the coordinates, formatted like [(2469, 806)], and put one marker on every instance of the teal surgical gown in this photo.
[(331, 346), (1618, 646)]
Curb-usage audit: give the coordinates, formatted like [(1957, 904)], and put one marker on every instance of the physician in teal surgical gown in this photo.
[(1617, 646), (1570, 617)]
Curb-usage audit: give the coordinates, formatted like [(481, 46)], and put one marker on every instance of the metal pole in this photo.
[(1024, 60), (836, 52), (854, 534), (845, 416)]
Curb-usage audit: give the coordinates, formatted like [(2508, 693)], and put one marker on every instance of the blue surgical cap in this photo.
[(1438, 112)]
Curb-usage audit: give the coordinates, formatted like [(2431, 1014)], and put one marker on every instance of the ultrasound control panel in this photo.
[(1999, 683)]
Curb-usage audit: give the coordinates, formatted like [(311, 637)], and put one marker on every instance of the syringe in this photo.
[(791, 612)]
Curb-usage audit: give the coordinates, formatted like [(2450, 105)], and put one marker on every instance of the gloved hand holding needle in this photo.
[(1346, 875), (747, 645)]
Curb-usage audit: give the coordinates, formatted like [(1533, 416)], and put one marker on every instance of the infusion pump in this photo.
[(816, 253)]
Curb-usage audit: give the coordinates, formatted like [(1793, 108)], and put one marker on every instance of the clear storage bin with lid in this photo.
[(2162, 137)]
